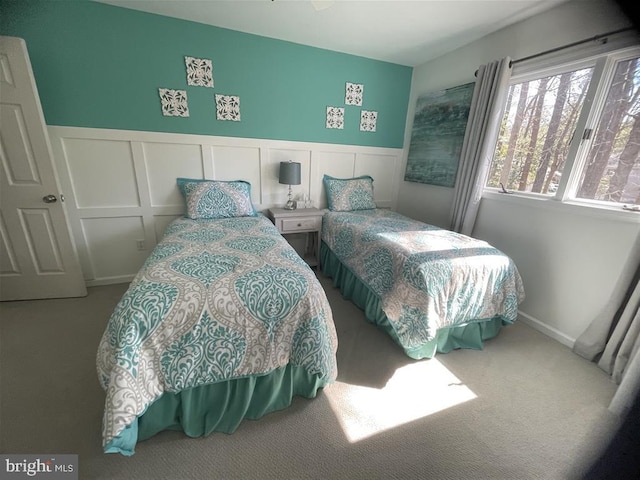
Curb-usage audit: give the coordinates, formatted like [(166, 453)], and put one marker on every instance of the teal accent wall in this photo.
[(100, 66)]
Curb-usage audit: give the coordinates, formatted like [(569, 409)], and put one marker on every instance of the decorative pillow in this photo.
[(216, 199), (346, 194)]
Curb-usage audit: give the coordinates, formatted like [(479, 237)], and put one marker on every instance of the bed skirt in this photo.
[(471, 335), (219, 407)]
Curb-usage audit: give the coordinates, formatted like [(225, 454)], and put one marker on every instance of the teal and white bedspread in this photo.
[(426, 278), (216, 300)]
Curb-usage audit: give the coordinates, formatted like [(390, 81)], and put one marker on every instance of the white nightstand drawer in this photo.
[(303, 220), (300, 224)]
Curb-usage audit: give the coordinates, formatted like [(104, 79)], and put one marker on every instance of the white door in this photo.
[(37, 255)]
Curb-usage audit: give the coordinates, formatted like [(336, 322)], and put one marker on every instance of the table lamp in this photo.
[(289, 175)]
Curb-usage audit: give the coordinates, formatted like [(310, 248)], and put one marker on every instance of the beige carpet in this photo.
[(525, 407)]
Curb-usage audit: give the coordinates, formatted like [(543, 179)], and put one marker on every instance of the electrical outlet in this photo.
[(140, 244)]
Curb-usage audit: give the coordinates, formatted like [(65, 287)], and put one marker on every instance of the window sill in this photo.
[(570, 206)]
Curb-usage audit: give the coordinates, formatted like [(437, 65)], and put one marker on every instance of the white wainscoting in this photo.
[(120, 185)]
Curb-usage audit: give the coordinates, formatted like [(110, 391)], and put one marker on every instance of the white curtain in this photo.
[(613, 338), (483, 126)]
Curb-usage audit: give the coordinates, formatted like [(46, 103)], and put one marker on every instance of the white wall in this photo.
[(120, 185), (569, 257)]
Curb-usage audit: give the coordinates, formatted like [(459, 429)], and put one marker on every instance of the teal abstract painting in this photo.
[(437, 135)]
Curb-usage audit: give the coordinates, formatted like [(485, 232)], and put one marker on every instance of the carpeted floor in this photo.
[(525, 407)]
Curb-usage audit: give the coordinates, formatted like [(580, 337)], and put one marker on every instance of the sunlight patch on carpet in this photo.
[(414, 391)]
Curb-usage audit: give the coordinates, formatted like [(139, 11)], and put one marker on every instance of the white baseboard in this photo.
[(546, 329), (109, 280)]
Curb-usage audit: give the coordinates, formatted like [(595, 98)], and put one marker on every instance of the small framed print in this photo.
[(335, 117), (228, 107), (199, 72), (368, 121), (353, 94), (174, 102)]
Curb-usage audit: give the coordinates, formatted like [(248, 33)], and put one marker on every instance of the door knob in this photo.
[(49, 199)]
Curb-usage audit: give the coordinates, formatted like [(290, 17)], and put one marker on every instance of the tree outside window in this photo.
[(539, 126), (612, 170)]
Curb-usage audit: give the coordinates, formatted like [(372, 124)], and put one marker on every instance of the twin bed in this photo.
[(225, 321), (431, 290)]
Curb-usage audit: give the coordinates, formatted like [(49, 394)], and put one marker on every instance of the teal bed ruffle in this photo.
[(219, 407), (470, 335)]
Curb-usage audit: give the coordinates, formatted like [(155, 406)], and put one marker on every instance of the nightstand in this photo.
[(301, 220)]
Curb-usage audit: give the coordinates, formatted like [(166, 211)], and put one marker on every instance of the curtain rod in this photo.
[(595, 38)]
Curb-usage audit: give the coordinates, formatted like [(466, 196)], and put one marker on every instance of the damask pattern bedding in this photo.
[(216, 300), (427, 279)]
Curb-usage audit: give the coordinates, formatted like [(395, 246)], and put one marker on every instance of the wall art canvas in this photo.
[(436, 137), (174, 102)]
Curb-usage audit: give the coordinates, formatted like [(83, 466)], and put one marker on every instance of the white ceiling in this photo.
[(403, 32)]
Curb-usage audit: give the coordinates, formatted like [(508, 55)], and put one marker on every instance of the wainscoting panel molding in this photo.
[(120, 185)]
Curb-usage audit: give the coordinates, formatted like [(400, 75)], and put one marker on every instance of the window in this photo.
[(573, 133)]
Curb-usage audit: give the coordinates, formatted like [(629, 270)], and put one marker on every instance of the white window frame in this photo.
[(603, 60)]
